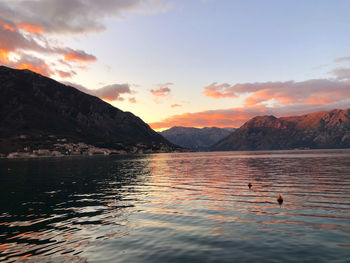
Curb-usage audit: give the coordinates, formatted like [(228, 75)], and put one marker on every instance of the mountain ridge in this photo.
[(34, 105), (318, 130), (196, 138)]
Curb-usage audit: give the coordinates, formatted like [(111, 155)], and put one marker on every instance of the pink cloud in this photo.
[(235, 117), (66, 74), (23, 39), (132, 100), (78, 55), (219, 91), (161, 92), (315, 91)]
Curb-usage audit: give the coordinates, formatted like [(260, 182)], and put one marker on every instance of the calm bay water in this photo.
[(186, 207)]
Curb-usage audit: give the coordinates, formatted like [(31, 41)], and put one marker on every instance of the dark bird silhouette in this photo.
[(250, 185)]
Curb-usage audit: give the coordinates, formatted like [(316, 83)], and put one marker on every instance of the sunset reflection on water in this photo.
[(177, 208)]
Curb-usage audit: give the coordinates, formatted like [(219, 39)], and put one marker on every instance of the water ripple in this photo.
[(189, 207)]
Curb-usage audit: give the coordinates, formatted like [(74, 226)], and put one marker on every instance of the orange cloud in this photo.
[(175, 105), (66, 74), (78, 55), (236, 117), (219, 91), (315, 91), (42, 69), (161, 92), (13, 40), (132, 100), (4, 56), (7, 27), (31, 28), (219, 118)]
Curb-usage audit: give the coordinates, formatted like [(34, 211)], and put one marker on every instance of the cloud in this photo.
[(132, 100), (31, 28), (27, 28), (27, 47), (342, 59), (219, 91), (218, 118), (235, 117), (175, 105), (161, 92), (341, 73), (75, 55), (65, 74), (73, 16), (32, 63), (315, 91), (112, 92)]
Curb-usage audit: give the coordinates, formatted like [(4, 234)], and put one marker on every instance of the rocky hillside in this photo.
[(319, 130), (195, 138), (34, 109)]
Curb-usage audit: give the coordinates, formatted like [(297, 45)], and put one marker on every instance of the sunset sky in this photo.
[(188, 62)]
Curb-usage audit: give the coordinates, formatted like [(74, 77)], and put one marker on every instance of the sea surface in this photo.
[(183, 207)]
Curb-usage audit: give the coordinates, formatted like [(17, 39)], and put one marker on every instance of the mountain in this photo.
[(39, 111), (319, 130), (195, 138)]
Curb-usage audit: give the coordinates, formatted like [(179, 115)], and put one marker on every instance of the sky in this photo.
[(193, 63)]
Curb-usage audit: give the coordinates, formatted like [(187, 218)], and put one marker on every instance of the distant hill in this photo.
[(195, 138), (319, 130), (38, 108)]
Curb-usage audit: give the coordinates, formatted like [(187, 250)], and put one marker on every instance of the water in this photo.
[(186, 207)]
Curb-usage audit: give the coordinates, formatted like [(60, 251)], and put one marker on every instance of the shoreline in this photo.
[(33, 157)]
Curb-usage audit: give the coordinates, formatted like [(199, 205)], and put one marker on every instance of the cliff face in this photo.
[(195, 138), (319, 130), (35, 106)]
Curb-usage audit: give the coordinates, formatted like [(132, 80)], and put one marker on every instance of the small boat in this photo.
[(280, 199)]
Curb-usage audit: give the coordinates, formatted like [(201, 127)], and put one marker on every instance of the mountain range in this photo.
[(319, 130), (196, 138), (37, 111)]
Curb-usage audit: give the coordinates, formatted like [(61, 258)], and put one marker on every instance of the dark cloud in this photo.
[(74, 16), (112, 92)]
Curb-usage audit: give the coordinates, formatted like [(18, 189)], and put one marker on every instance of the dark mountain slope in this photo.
[(34, 105), (195, 138), (319, 130)]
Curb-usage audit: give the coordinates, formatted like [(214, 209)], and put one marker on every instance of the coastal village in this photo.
[(62, 147)]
